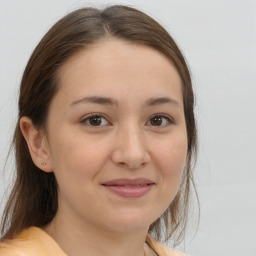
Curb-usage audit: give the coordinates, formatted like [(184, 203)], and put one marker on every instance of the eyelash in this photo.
[(87, 118), (162, 116)]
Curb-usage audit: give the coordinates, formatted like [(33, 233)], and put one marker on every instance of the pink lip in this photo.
[(129, 188)]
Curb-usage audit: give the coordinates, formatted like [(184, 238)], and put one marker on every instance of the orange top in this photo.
[(35, 242)]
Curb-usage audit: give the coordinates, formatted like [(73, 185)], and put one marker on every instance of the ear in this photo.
[(37, 144)]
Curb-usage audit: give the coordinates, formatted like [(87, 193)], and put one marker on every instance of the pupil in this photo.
[(156, 121), (95, 120)]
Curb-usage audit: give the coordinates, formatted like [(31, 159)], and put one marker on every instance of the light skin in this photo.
[(138, 131)]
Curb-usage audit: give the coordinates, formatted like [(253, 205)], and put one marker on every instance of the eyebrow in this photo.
[(97, 100), (114, 102), (160, 101)]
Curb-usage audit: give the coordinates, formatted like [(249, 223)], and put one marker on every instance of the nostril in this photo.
[(132, 165), (130, 157)]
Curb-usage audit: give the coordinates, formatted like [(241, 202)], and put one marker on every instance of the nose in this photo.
[(130, 149)]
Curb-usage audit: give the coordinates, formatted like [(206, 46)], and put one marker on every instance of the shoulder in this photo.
[(19, 247), (15, 248), (173, 252), (161, 249), (30, 242)]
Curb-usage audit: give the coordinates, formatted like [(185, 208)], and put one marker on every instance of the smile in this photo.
[(129, 188)]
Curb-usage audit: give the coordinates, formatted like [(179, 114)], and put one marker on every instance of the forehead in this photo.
[(112, 65)]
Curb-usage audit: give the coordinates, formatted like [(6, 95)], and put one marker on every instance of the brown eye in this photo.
[(160, 120), (95, 120), (156, 121)]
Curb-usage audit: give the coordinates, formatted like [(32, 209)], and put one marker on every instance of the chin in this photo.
[(130, 221)]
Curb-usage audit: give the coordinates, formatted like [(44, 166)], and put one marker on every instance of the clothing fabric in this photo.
[(36, 242)]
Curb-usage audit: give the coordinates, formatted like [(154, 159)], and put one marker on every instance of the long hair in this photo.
[(33, 199)]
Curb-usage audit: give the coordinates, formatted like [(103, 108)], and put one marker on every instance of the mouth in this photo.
[(129, 188)]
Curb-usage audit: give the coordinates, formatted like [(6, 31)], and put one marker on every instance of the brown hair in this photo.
[(33, 199)]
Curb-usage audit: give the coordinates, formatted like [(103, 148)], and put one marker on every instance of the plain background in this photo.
[(218, 39)]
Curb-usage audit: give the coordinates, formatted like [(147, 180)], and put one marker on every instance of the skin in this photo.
[(128, 143)]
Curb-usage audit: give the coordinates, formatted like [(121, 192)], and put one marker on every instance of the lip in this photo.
[(129, 188)]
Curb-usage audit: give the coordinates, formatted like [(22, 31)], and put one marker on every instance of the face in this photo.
[(116, 136)]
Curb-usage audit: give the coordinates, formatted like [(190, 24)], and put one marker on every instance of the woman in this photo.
[(104, 140)]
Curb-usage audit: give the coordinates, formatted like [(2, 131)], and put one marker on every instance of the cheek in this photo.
[(77, 163), (172, 159), (76, 156)]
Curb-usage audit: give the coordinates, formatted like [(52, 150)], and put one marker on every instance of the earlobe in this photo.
[(37, 144)]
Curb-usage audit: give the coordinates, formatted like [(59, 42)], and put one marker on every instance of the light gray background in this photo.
[(218, 39)]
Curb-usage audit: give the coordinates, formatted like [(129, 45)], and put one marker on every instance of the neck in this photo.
[(80, 239)]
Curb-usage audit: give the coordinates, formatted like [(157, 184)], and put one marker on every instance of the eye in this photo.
[(95, 120), (160, 120)]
